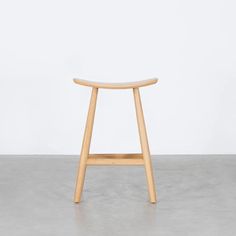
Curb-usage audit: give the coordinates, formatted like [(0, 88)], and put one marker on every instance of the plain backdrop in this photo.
[(189, 45)]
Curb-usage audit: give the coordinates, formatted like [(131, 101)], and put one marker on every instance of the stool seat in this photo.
[(126, 85)]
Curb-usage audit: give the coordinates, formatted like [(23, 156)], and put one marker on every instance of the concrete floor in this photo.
[(197, 196)]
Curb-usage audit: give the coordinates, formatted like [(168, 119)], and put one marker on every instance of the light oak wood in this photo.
[(115, 159), (144, 146), (85, 146), (129, 85)]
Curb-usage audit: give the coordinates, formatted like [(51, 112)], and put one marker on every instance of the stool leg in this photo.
[(85, 146), (144, 146)]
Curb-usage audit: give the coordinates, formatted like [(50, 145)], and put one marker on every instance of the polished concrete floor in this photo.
[(196, 196)]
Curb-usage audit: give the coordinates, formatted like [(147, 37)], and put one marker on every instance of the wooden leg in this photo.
[(85, 146), (144, 146)]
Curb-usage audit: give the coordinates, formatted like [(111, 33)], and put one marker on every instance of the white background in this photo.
[(189, 45)]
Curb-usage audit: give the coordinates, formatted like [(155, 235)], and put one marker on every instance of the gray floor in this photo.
[(197, 196)]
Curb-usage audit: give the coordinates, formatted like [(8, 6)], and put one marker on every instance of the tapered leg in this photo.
[(85, 146), (144, 146)]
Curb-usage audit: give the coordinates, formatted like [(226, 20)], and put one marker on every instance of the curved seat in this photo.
[(127, 85)]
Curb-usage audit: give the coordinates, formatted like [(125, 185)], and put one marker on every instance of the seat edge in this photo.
[(125, 85)]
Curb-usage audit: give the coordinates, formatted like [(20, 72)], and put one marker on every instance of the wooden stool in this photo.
[(115, 159)]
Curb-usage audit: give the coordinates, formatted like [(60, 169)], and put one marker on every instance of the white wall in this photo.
[(189, 45)]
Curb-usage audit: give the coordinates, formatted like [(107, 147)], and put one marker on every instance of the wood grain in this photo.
[(128, 85), (85, 146), (144, 146), (115, 159)]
